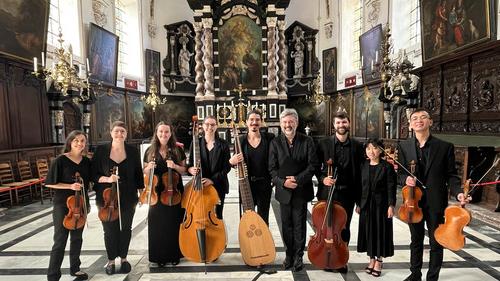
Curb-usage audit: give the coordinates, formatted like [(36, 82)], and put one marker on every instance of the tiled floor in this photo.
[(26, 240)]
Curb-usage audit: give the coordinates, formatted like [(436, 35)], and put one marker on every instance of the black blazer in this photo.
[(440, 172), (101, 167), (325, 151), (383, 187), (218, 169), (266, 139), (301, 165)]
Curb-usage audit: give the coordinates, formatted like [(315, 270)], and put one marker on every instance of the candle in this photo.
[(361, 61), (248, 104), (371, 67), (88, 67), (224, 106), (232, 105), (43, 60), (35, 64), (257, 105), (228, 92), (376, 56), (253, 92)]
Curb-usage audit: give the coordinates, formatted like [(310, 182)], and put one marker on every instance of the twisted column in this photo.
[(282, 53), (208, 57), (198, 59), (271, 57)]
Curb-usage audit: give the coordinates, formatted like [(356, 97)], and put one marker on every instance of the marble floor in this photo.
[(26, 240)]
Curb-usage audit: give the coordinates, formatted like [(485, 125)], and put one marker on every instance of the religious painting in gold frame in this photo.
[(341, 102), (109, 107), (368, 114)]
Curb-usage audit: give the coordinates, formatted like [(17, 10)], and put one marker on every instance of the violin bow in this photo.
[(402, 166), (495, 163), (118, 199)]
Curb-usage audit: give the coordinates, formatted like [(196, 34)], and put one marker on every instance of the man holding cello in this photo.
[(435, 173)]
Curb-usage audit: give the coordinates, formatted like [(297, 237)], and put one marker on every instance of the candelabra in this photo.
[(316, 97), (153, 98)]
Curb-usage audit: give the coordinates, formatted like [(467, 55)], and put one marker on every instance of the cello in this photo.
[(170, 196), (149, 195), (202, 236), (450, 233), (111, 210), (409, 211), (77, 208), (256, 242), (326, 249)]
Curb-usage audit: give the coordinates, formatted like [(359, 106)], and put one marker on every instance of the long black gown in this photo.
[(164, 221)]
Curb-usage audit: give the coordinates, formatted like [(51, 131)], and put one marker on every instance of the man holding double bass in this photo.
[(435, 174)]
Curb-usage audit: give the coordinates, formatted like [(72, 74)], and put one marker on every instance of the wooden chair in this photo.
[(7, 179), (6, 195), (26, 175), (42, 168)]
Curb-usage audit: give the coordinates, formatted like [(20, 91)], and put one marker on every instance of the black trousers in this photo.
[(261, 194), (220, 207), (116, 241), (60, 239), (293, 227), (417, 231), (345, 198)]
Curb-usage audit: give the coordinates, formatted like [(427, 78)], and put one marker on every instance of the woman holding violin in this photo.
[(376, 209), (117, 174), (61, 178), (168, 160)]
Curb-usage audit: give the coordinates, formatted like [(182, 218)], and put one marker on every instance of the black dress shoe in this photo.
[(413, 278), (80, 275), (343, 270), (288, 263), (126, 267), (110, 269), (298, 265)]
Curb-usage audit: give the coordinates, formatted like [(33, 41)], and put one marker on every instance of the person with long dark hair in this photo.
[(127, 159), (61, 178), (164, 220)]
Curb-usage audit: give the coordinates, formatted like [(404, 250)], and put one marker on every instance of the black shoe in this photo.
[(174, 263), (298, 265), (413, 278), (288, 263), (110, 269), (343, 270), (126, 267), (80, 275), (497, 210)]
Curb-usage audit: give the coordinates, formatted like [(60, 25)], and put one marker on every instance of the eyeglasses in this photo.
[(422, 117)]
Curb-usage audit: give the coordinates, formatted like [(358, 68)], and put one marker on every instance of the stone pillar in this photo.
[(208, 56), (198, 59), (282, 56), (172, 55), (272, 77)]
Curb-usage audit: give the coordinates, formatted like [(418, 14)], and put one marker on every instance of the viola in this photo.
[(111, 210), (202, 236), (409, 211), (77, 208), (170, 196), (326, 249), (450, 234), (149, 195)]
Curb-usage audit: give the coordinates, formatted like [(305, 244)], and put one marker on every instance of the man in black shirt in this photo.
[(255, 151), (436, 173), (292, 162)]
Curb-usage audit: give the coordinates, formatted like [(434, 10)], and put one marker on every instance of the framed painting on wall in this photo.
[(140, 116), (109, 107), (448, 26), (370, 46), (152, 69), (102, 55), (329, 70), (367, 115), (23, 28)]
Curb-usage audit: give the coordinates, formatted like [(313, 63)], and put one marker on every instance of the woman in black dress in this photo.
[(127, 159), (61, 178), (163, 220), (376, 209)]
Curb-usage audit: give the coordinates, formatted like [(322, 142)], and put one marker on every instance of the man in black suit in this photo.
[(255, 151), (435, 173), (214, 154), (347, 155), (292, 162)]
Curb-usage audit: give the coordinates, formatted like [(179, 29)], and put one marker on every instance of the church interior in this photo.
[(83, 64)]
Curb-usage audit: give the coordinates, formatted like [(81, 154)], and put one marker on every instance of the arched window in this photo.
[(350, 29), (127, 27), (67, 12), (406, 29)]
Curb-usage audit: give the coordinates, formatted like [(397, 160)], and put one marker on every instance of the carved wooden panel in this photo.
[(4, 111), (485, 89), (455, 96), (404, 125), (431, 95), (72, 117)]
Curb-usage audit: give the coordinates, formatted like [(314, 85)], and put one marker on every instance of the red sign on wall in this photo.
[(130, 84), (350, 81)]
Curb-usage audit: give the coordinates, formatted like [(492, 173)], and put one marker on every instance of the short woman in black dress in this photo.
[(61, 178), (127, 159), (163, 220), (376, 209)]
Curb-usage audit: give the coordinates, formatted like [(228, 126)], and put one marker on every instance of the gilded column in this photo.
[(198, 59), (271, 57), (282, 53), (208, 56)]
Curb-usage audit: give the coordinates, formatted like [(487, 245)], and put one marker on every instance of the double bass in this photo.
[(111, 210), (409, 211), (77, 207), (170, 196), (202, 236), (326, 249), (450, 233), (149, 195), (256, 242)]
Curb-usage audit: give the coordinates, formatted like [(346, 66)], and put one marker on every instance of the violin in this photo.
[(409, 211), (170, 196), (77, 208), (326, 249), (149, 195), (450, 234), (202, 236), (111, 210)]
